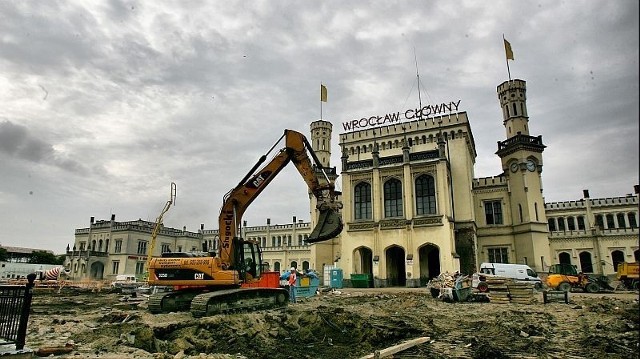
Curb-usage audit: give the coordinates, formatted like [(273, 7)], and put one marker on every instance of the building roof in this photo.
[(22, 250)]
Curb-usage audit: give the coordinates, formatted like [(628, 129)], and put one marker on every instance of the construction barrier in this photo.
[(15, 305)]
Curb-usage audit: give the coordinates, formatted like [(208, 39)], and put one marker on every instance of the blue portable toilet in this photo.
[(336, 278)]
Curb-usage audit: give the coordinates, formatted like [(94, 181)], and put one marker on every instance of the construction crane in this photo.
[(156, 229)]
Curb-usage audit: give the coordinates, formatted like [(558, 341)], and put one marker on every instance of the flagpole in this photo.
[(507, 60), (321, 100)]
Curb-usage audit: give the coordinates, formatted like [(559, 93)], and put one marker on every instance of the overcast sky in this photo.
[(104, 103)]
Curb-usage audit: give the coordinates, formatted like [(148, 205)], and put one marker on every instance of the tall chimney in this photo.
[(585, 193), (113, 217), (92, 219)]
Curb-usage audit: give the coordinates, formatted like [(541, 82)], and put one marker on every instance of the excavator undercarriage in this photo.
[(218, 301)]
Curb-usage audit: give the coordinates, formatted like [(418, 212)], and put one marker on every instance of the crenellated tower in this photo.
[(324, 253)]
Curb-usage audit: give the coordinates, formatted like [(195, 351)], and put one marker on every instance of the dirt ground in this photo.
[(349, 323)]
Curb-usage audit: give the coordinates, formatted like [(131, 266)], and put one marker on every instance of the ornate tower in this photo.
[(323, 253), (321, 140), (521, 157)]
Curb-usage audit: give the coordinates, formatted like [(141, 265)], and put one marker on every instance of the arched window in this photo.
[(362, 201), (520, 212), (515, 109), (393, 198), (410, 140), (552, 224), (599, 221), (561, 224), (617, 257), (276, 266), (581, 223), (620, 217), (564, 258), (610, 222), (424, 139), (571, 224), (305, 265), (632, 220), (299, 239), (425, 195)]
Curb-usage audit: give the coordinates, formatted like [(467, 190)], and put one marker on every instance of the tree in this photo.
[(43, 257)]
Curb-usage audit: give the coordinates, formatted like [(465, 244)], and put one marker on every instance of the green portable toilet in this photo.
[(336, 278)]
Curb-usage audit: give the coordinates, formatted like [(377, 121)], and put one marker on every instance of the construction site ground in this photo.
[(346, 323)]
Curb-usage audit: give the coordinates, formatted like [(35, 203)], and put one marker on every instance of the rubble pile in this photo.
[(350, 323)]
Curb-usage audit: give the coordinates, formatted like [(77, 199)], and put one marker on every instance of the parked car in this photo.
[(125, 281)]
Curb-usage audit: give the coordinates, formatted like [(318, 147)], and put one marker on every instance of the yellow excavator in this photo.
[(210, 283)]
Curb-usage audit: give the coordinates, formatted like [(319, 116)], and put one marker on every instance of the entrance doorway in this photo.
[(564, 258), (617, 257), (363, 261), (429, 257), (585, 262), (396, 269), (97, 270)]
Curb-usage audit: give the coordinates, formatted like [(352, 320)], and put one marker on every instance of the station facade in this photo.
[(412, 210)]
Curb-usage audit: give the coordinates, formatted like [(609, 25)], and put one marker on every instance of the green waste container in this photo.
[(361, 280)]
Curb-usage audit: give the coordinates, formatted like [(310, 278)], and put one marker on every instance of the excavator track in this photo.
[(167, 302), (238, 300)]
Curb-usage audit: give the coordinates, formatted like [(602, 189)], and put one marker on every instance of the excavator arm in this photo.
[(297, 150)]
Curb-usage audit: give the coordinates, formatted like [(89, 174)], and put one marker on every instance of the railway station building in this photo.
[(413, 208)]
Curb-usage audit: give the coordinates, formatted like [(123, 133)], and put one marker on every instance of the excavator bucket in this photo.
[(328, 227)]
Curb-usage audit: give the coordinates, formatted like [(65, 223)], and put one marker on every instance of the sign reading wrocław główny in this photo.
[(410, 114)]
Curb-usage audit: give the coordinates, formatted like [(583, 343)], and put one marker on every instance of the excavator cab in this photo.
[(249, 257)]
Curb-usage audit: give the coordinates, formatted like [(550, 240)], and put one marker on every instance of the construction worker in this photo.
[(292, 285)]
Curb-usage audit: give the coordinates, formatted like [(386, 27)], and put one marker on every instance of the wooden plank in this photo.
[(396, 348)]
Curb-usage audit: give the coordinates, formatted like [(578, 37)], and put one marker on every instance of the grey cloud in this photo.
[(16, 141)]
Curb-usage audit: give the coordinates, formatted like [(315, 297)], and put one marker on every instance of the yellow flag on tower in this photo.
[(507, 50), (323, 93)]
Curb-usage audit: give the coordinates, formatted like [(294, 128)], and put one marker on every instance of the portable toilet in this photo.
[(336, 278)]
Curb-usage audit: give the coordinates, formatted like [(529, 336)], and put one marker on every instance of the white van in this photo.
[(518, 272)]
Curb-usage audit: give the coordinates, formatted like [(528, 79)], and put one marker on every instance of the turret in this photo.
[(321, 141), (513, 101)]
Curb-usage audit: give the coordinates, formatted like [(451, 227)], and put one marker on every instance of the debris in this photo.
[(396, 348), (48, 351)]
